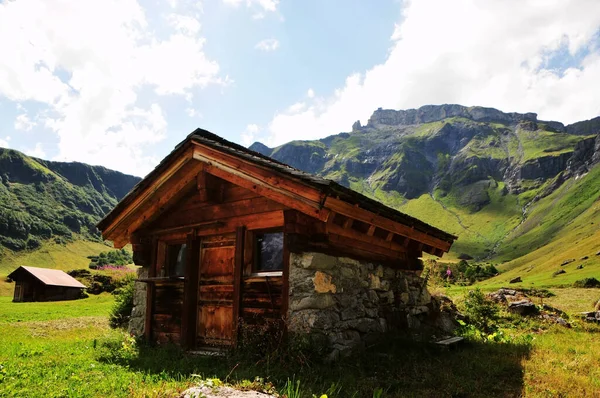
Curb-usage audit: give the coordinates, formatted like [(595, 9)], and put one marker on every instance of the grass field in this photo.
[(66, 349)]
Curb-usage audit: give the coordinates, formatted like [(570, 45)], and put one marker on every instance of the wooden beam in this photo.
[(217, 212), (240, 234), (391, 255), (368, 217), (147, 193), (274, 187), (371, 230), (263, 173), (190, 294), (156, 204), (369, 240), (389, 237), (273, 219), (201, 185), (348, 223)]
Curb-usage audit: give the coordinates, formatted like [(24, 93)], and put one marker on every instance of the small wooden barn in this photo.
[(226, 236), (43, 284)]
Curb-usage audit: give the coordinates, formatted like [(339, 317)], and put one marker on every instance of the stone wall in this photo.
[(138, 313), (353, 303)]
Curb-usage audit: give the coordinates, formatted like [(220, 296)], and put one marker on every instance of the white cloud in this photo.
[(191, 112), (310, 93), (266, 5), (485, 53), (22, 122), (267, 45), (184, 24), (249, 135), (5, 143), (86, 62), (37, 152)]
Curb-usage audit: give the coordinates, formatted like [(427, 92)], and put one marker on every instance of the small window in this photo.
[(176, 255), (268, 252)]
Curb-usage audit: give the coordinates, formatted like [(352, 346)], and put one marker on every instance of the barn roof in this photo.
[(50, 277), (326, 187)]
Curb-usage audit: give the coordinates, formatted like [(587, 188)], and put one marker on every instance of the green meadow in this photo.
[(66, 349)]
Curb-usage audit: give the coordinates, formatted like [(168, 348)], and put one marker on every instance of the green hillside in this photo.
[(48, 211), (517, 191)]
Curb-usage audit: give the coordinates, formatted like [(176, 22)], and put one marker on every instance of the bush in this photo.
[(481, 312), (587, 283), (121, 311)]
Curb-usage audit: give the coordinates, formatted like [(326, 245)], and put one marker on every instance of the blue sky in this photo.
[(119, 83)]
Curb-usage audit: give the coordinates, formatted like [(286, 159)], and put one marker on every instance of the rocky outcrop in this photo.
[(302, 155), (434, 113), (352, 303), (585, 127), (261, 148)]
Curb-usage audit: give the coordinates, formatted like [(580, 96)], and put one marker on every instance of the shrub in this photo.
[(121, 311), (587, 283), (481, 311)]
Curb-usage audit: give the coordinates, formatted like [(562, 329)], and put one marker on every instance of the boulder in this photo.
[(584, 258), (516, 280), (523, 307), (560, 271), (207, 391), (580, 266), (567, 262)]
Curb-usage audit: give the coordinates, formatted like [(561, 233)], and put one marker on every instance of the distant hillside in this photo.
[(505, 183), (53, 201)]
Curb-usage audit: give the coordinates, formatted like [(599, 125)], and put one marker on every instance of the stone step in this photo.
[(452, 341)]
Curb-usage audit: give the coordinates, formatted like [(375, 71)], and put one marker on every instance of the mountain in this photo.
[(495, 179), (44, 201)]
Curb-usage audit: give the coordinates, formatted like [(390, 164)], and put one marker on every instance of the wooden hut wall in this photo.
[(199, 217)]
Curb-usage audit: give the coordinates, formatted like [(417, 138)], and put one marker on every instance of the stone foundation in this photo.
[(137, 321), (353, 302)]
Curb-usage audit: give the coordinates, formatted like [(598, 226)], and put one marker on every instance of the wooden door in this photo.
[(216, 291)]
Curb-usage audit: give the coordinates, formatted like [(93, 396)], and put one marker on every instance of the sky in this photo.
[(119, 83)]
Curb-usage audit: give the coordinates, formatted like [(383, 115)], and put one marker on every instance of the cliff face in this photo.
[(467, 159), (42, 200)]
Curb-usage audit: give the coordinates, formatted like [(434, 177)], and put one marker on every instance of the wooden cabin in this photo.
[(229, 237), (43, 284)]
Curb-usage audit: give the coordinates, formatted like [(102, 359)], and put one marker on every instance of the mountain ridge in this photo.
[(484, 170), (42, 200)]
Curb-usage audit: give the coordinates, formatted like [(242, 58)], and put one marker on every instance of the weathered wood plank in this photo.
[(372, 240), (263, 187), (182, 160), (366, 216)]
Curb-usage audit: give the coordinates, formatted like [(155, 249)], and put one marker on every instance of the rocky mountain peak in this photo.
[(261, 148), (433, 113)]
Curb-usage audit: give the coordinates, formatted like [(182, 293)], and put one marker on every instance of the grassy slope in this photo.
[(564, 225)]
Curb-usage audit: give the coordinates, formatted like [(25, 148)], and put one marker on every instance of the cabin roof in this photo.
[(327, 187), (50, 277)]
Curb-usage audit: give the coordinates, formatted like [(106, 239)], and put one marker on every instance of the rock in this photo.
[(580, 266), (560, 271), (584, 258), (597, 306), (567, 262), (598, 254), (316, 302), (207, 391), (356, 125), (516, 280), (523, 307), (323, 284)]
